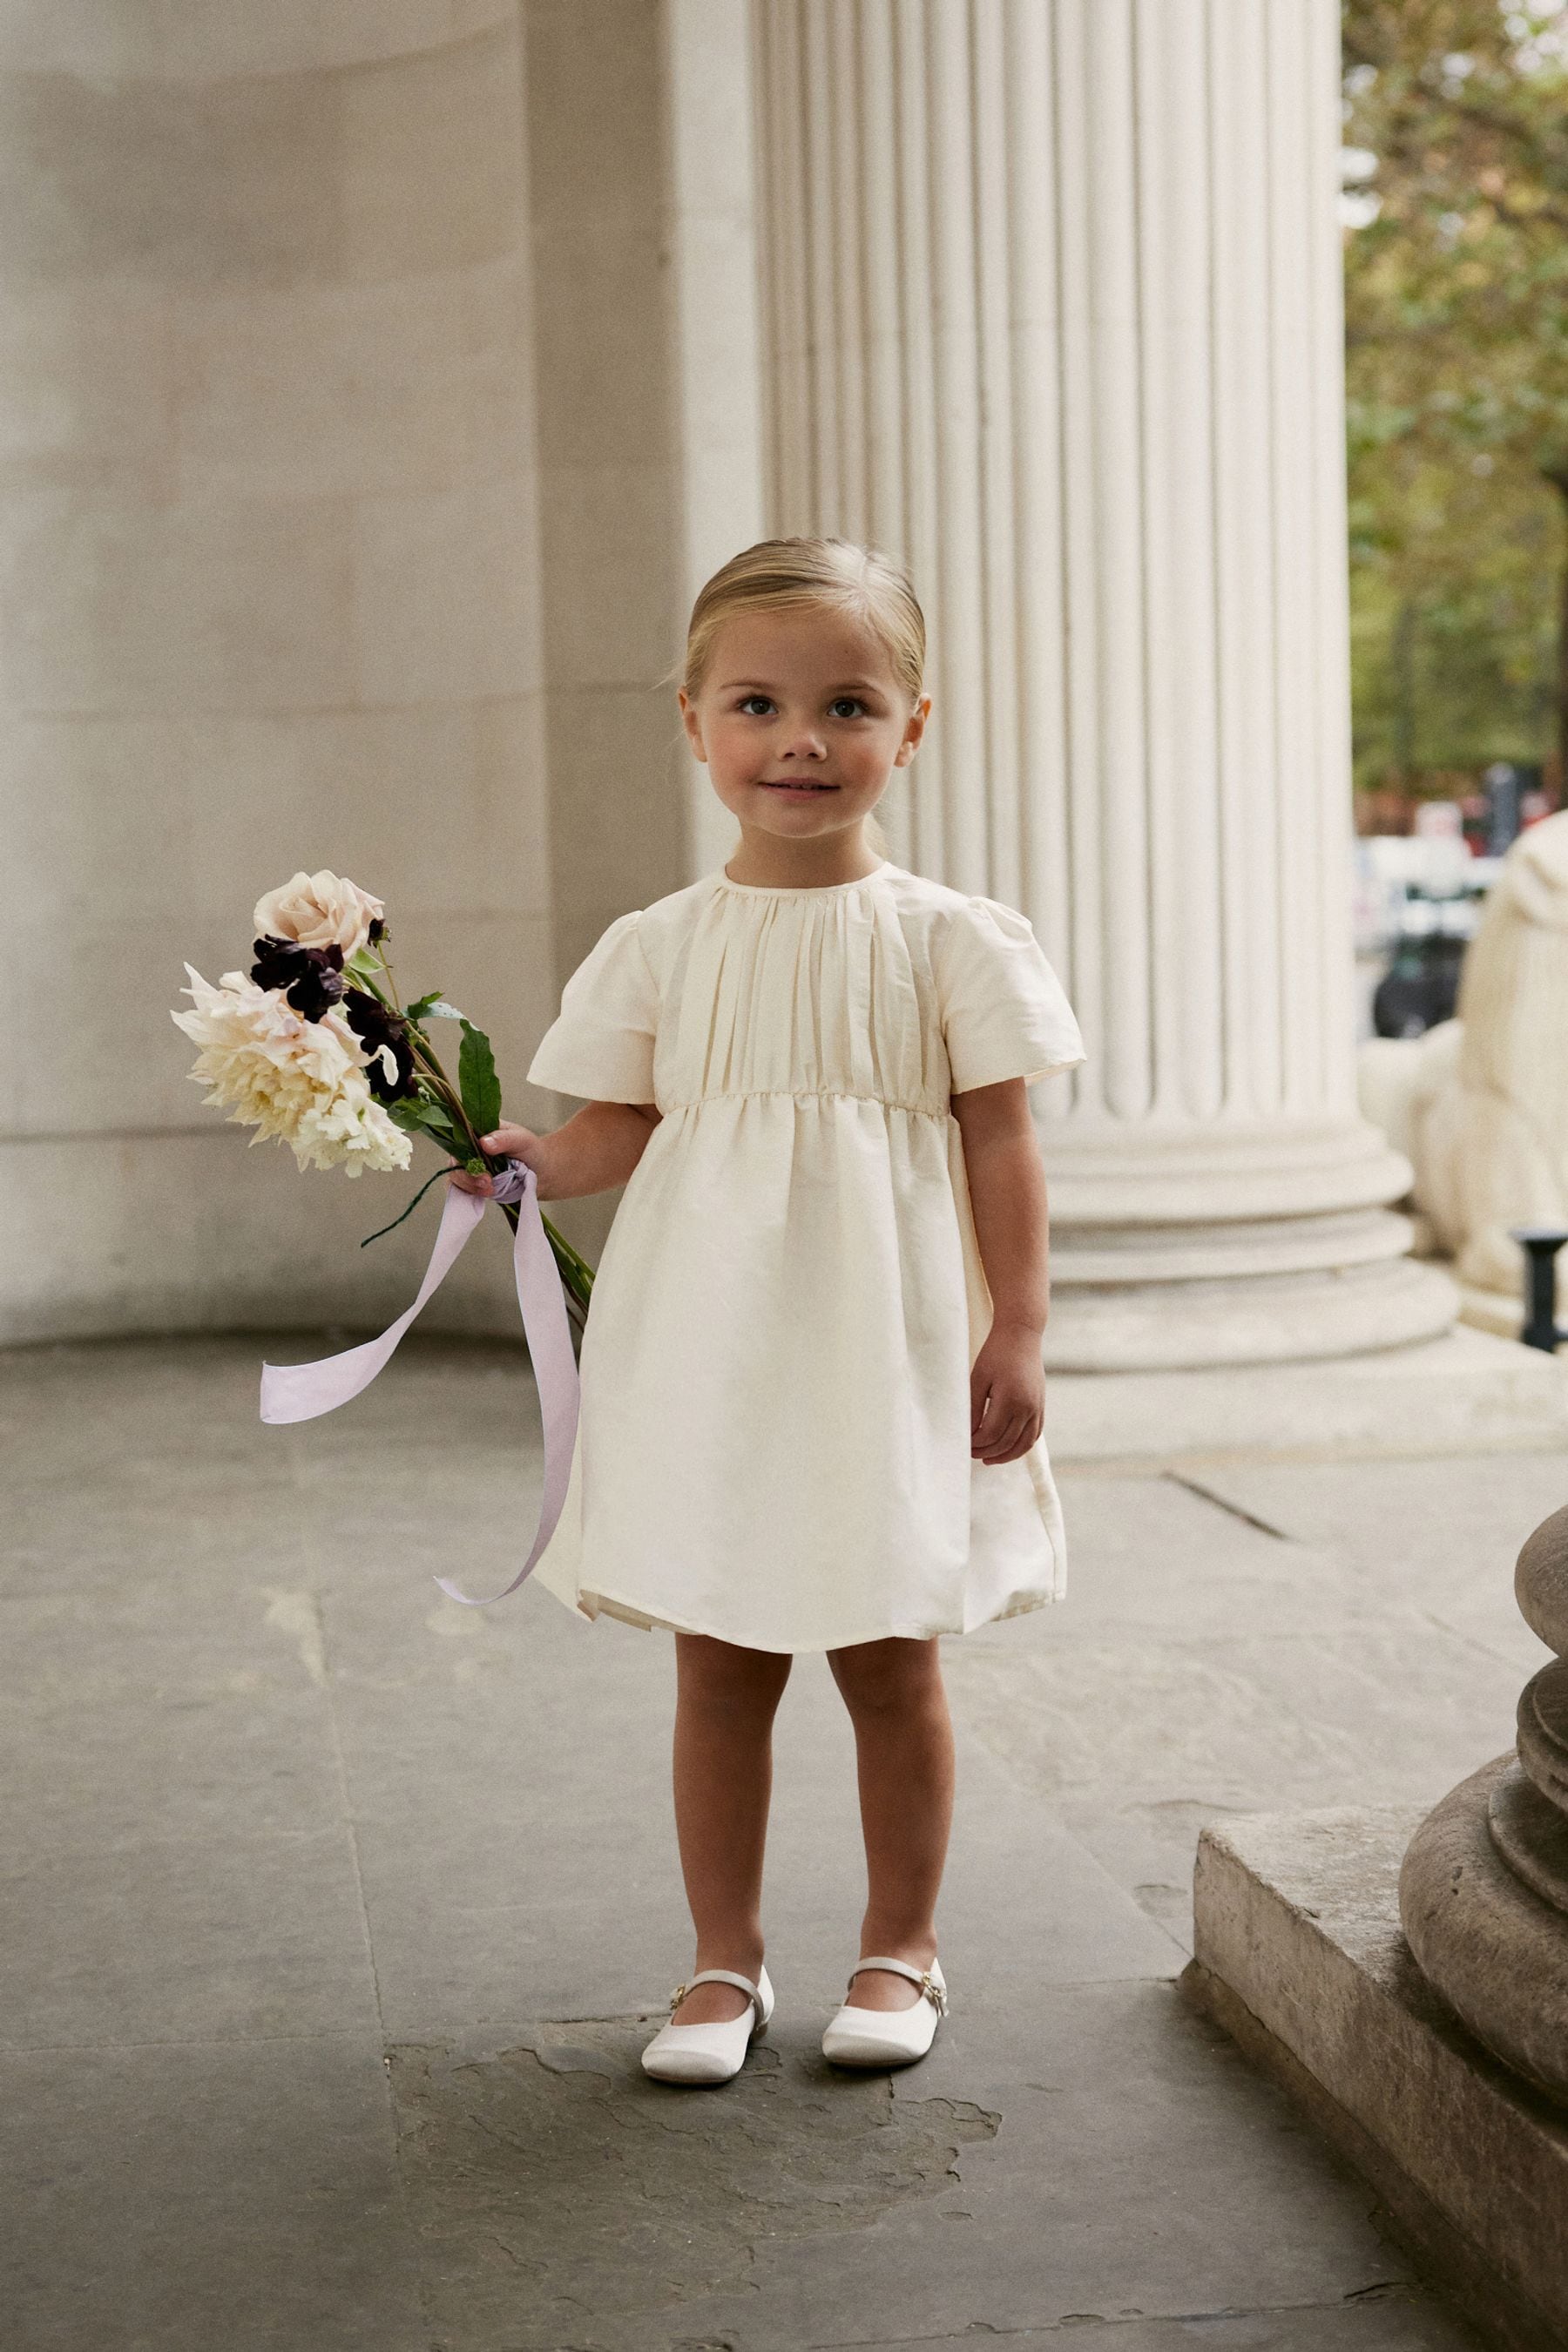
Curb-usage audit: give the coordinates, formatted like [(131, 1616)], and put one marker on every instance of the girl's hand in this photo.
[(505, 1142), (1006, 1394)]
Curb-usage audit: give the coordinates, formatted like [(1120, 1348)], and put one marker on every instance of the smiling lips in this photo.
[(784, 785)]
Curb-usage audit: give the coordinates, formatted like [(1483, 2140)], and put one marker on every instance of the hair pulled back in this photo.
[(783, 576)]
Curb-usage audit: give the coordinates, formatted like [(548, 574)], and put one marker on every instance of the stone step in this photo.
[(1300, 1954), (1467, 1393)]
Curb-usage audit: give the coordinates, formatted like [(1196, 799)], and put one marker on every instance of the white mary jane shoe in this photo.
[(709, 2054), (889, 2037)]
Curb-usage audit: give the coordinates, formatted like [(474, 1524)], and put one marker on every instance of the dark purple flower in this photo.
[(375, 1025), (311, 978)]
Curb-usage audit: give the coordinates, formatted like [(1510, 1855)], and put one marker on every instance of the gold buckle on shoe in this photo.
[(677, 1997), (934, 1992)]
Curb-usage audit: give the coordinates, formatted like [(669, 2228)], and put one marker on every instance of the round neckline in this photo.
[(801, 889)]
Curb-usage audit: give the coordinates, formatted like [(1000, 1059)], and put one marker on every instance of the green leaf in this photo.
[(437, 1114), (476, 1080), (417, 1115), (421, 1007)]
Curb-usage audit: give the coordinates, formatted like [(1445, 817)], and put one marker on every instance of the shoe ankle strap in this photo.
[(716, 1976), (927, 1982)]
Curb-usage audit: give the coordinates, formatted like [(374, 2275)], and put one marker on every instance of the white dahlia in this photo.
[(302, 1081)]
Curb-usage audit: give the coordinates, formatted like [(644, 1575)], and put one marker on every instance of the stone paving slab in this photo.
[(185, 1940), (179, 2199), (1096, 2153), (114, 1733), (1354, 1632), (337, 1913)]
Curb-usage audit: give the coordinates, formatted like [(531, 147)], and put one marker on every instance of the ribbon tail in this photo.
[(303, 1391), (549, 1333)]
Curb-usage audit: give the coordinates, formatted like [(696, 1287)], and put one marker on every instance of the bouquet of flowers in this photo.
[(314, 1047)]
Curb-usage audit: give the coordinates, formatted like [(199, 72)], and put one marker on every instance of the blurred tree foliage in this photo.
[(1456, 121)]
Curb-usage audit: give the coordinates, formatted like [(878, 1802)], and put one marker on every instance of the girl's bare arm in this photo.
[(593, 1153), (1007, 1194)]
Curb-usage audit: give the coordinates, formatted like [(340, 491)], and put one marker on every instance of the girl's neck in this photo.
[(769, 864)]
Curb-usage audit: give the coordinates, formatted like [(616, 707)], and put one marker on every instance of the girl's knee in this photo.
[(722, 1678), (888, 1677)]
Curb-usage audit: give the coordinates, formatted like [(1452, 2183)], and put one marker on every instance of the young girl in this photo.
[(812, 1392)]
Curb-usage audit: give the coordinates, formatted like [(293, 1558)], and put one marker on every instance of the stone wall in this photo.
[(307, 561)]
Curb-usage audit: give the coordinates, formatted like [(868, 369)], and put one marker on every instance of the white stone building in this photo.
[(380, 381)]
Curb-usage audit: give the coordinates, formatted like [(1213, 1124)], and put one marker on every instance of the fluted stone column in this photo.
[(1483, 1892), (268, 598), (1052, 309)]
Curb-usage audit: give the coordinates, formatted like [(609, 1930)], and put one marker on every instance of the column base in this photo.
[(1494, 1947), (1178, 1247), (1271, 1319)]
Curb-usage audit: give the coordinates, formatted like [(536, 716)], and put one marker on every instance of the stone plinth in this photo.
[(1412, 1990), (1468, 1392), (1300, 1955)]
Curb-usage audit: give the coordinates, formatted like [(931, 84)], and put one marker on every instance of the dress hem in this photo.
[(612, 1603)]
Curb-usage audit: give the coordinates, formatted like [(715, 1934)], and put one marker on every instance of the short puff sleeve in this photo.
[(600, 1045), (1003, 1012)]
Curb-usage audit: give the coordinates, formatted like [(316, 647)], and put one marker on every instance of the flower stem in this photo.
[(408, 1212), (576, 1274)]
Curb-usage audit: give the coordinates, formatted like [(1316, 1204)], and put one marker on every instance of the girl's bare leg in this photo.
[(903, 1746), (726, 1698)]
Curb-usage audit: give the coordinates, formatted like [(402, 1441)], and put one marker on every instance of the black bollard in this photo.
[(1540, 1243)]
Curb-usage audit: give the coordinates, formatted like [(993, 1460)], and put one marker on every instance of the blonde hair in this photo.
[(783, 576)]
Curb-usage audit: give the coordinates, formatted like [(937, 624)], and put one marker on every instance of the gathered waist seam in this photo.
[(807, 1094)]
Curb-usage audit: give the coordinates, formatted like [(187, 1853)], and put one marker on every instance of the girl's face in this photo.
[(801, 721)]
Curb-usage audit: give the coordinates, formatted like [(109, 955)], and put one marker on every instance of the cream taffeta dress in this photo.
[(774, 1444)]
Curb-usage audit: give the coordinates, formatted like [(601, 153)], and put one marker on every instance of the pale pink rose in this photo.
[(319, 911), (302, 1081)]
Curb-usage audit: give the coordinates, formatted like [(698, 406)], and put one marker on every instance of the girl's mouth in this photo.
[(801, 790)]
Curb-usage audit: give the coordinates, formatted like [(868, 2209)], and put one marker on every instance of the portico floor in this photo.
[(335, 1915)]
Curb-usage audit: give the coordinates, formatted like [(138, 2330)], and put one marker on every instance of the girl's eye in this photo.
[(843, 705)]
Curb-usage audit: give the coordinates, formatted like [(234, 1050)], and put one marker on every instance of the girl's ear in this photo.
[(690, 721), (912, 732)]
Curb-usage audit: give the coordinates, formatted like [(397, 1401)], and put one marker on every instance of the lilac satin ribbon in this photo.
[(303, 1391)]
